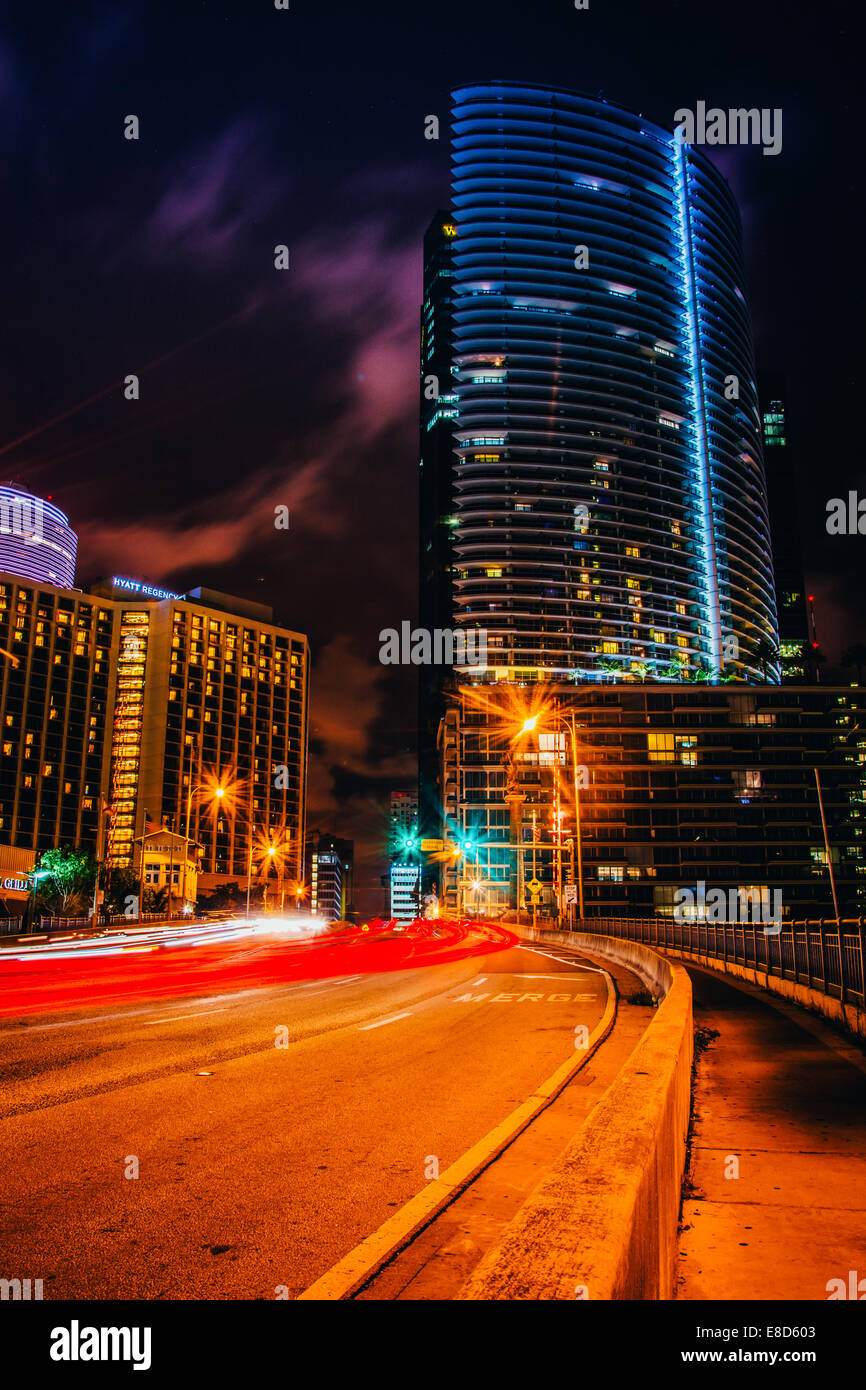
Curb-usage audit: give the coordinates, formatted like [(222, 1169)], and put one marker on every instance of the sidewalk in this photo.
[(780, 1098)]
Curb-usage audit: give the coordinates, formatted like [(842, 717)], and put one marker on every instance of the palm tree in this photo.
[(768, 653), (856, 656), (813, 660)]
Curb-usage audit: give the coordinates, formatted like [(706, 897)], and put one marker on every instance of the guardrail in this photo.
[(827, 956), (11, 926)]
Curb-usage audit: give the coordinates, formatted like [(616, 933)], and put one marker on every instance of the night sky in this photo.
[(261, 387)]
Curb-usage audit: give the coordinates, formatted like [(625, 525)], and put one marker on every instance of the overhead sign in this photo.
[(432, 846)]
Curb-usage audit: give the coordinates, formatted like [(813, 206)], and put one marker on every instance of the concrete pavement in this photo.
[(776, 1199)]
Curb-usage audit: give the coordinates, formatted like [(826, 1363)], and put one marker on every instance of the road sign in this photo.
[(569, 893), (534, 886), (534, 899), (432, 846)]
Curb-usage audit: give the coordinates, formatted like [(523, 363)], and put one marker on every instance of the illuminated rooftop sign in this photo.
[(135, 586)]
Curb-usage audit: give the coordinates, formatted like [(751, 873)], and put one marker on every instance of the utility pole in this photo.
[(577, 834), (827, 846)]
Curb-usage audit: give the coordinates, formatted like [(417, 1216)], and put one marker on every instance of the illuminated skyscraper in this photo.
[(142, 703), (601, 509)]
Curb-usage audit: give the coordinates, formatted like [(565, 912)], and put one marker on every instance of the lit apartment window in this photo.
[(661, 748), (688, 751)]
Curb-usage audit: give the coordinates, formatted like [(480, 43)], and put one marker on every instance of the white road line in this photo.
[(365, 1027), (137, 1013), (478, 982), (175, 1018)]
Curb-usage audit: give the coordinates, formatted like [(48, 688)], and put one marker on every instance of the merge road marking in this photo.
[(509, 998)]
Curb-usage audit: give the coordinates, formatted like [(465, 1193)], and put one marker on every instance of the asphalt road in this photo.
[(260, 1164)]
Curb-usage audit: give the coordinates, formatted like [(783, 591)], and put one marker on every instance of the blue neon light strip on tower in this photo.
[(702, 460)]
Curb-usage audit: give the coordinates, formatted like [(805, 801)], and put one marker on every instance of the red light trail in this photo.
[(177, 962)]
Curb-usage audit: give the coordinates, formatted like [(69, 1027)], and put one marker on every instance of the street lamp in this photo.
[(35, 876), (559, 720), (215, 793)]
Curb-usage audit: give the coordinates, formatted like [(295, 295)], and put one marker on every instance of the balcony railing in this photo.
[(825, 955)]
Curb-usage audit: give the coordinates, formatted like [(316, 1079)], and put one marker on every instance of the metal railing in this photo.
[(825, 955), (16, 926)]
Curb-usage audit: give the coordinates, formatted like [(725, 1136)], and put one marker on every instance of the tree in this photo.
[(68, 891), (122, 884), (856, 656), (155, 900)]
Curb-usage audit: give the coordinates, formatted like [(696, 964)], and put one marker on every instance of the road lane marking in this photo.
[(137, 1013), (365, 1027), (175, 1018)]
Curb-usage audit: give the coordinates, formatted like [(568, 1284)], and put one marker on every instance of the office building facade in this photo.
[(676, 784)]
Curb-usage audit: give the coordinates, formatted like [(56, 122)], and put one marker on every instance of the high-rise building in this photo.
[(57, 694), (786, 531), (602, 508), (188, 711), (36, 540), (438, 412)]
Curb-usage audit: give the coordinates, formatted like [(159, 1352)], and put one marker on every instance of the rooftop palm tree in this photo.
[(856, 656)]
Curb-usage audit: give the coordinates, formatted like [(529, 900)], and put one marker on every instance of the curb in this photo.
[(356, 1269)]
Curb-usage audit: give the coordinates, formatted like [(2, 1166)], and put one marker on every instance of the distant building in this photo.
[(404, 867), (331, 878), (404, 890), (403, 819), (36, 540), (786, 529)]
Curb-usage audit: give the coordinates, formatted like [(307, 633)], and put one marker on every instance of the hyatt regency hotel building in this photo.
[(129, 705)]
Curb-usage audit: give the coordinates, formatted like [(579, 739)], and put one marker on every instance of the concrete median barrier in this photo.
[(602, 1224)]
